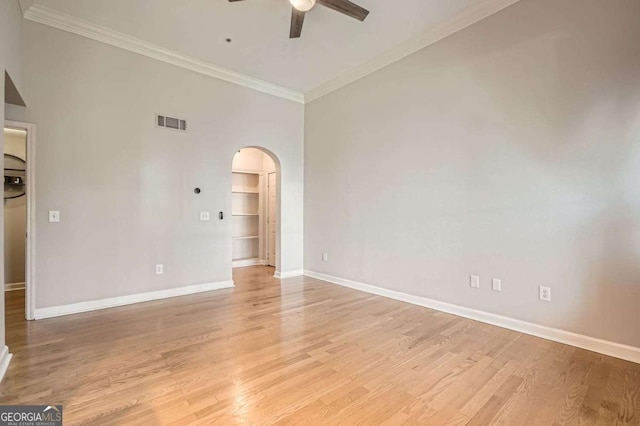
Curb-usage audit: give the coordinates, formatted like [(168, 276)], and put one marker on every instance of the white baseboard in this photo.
[(247, 262), (5, 359), (94, 305), (290, 274), (617, 350), (14, 286)]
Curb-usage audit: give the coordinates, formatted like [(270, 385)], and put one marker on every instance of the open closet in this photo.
[(254, 208)]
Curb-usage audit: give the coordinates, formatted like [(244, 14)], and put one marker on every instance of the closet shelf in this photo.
[(246, 208), (247, 172)]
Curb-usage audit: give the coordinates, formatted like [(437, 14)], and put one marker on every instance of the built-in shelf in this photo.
[(247, 172), (245, 191), (245, 206)]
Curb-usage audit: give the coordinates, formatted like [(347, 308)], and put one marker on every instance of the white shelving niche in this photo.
[(246, 208)]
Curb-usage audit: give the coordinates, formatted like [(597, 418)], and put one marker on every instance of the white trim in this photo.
[(94, 305), (30, 266), (5, 359), (266, 201), (25, 5), (53, 18), (61, 21), (13, 286), (605, 347), (290, 274), (459, 22)]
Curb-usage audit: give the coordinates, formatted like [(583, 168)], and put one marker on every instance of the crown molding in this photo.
[(25, 5), (466, 18), (459, 22), (61, 21)]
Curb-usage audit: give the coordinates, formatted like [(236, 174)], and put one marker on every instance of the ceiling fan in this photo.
[(300, 7)]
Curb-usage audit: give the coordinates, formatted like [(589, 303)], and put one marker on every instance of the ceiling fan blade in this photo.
[(231, 1), (297, 19), (346, 7)]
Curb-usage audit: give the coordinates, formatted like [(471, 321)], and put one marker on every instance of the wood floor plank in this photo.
[(304, 352)]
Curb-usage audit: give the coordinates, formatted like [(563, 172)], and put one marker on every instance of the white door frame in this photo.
[(267, 230), (30, 267)]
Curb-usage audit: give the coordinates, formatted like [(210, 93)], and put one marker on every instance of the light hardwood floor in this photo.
[(304, 352)]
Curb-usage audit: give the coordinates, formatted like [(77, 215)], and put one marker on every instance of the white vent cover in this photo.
[(171, 123)]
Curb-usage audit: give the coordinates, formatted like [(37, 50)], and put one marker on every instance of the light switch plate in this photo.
[(205, 216), (474, 281), (54, 216), (496, 284)]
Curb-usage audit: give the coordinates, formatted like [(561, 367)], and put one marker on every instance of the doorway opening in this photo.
[(18, 214), (255, 208)]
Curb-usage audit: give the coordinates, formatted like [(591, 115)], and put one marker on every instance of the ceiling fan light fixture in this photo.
[(303, 5)]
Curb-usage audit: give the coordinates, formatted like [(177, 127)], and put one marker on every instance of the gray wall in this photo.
[(11, 62), (509, 150), (124, 187), (11, 41)]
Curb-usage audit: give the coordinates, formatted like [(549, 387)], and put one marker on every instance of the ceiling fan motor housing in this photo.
[(300, 7), (303, 5)]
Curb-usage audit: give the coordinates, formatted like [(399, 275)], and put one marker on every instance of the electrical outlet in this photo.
[(325, 257), (205, 216), (159, 269), (545, 294), (496, 284), (474, 281)]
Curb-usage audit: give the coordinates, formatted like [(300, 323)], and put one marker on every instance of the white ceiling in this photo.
[(331, 43)]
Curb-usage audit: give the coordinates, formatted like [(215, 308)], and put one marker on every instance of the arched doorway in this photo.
[(255, 208)]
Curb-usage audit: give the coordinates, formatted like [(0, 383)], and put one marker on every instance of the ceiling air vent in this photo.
[(171, 123)]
